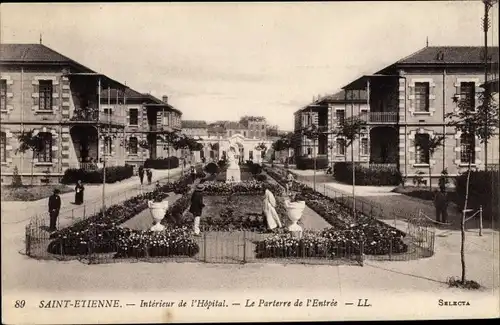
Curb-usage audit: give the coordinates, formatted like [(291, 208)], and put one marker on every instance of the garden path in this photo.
[(18, 212)]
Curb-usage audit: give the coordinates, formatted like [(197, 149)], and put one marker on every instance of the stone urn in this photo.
[(158, 210), (294, 210)]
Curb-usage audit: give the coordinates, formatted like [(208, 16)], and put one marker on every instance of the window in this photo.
[(132, 146), (309, 151), (3, 147), (468, 94), (108, 141), (263, 126), (340, 147), (421, 151), (467, 146), (133, 116), (421, 97), (245, 133), (250, 155), (340, 115), (3, 95), (364, 147), (45, 95), (44, 153)]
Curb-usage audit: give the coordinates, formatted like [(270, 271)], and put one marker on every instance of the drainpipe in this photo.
[(22, 118), (406, 126), (444, 118)]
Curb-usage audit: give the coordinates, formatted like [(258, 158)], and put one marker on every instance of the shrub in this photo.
[(212, 168), (222, 164), (342, 172), (113, 174), (163, 163), (255, 169), (16, 178), (260, 177), (308, 163), (483, 191)]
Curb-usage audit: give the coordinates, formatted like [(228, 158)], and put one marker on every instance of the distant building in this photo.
[(219, 137)]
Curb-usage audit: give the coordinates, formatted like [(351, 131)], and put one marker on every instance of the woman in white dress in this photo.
[(272, 217)]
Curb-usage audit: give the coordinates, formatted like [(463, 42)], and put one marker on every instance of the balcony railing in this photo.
[(90, 115), (380, 117)]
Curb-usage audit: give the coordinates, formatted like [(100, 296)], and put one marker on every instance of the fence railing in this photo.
[(235, 247)]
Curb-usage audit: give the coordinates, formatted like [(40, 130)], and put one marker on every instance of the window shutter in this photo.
[(36, 90)]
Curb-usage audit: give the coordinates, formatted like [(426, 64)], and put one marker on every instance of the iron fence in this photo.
[(217, 247)]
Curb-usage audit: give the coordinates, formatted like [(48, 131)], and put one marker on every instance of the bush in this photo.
[(222, 164), (308, 163), (113, 175), (261, 178), (16, 178), (164, 163), (342, 172), (212, 168), (255, 169), (483, 191)]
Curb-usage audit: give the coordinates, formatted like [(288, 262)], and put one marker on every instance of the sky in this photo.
[(221, 61)]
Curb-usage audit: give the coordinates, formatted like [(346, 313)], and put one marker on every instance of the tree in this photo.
[(473, 122), (28, 140), (262, 148), (248, 118), (283, 143), (350, 129), (215, 147), (430, 145)]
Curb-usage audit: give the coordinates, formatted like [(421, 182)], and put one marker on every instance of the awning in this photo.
[(361, 83), (106, 82)]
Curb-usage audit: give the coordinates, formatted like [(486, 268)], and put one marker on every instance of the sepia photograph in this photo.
[(249, 161)]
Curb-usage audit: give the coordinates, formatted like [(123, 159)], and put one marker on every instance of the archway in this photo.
[(384, 145), (85, 143)]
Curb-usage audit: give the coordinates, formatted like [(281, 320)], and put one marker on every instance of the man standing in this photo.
[(193, 173), (141, 173), (441, 205), (197, 207), (54, 207)]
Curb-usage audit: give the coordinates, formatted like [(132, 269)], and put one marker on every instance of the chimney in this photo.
[(165, 99)]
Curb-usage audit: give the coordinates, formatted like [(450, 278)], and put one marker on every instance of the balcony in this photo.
[(84, 116), (380, 117), (160, 128)]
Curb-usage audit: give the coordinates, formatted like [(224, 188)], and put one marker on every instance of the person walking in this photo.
[(157, 186), (193, 173), (79, 189), (54, 208), (441, 205), (150, 175), (141, 173), (197, 207)]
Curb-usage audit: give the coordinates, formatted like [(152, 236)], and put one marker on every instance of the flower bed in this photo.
[(101, 233), (230, 207), (378, 237), (311, 245), (172, 242)]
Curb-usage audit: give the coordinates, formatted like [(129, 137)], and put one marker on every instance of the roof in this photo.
[(129, 94), (35, 53), (216, 130), (234, 125), (342, 97), (194, 124), (450, 55), (435, 56)]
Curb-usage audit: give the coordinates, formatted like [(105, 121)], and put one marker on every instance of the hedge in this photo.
[(304, 163), (483, 191), (113, 174), (163, 163), (379, 176)]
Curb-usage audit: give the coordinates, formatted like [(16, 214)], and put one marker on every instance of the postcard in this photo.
[(249, 161)]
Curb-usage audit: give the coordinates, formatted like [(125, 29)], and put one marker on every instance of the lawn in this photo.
[(31, 192), (422, 193)]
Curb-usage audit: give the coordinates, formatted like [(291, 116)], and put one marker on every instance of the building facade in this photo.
[(79, 118), (406, 103), (217, 138)]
